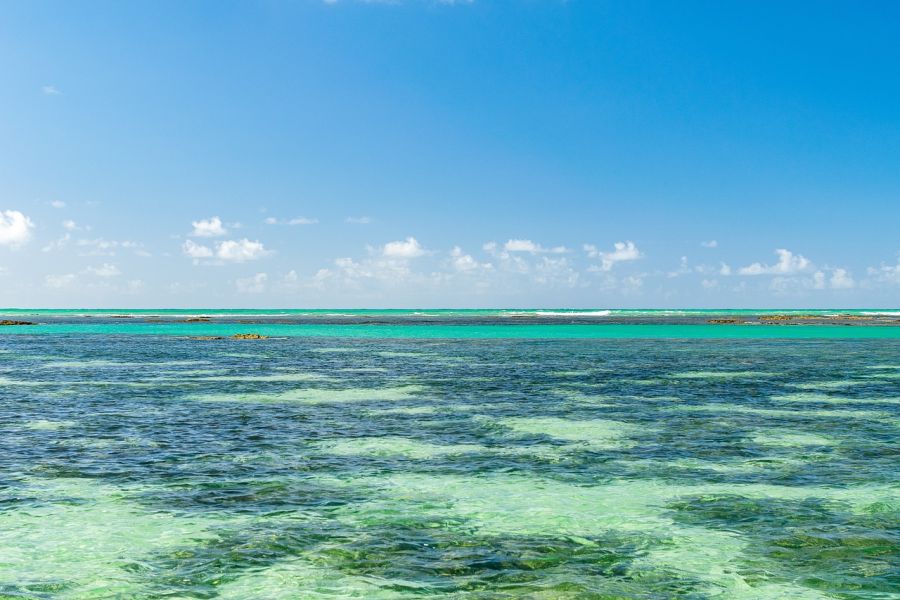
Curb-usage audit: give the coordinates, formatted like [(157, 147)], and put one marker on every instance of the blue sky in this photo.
[(458, 154)]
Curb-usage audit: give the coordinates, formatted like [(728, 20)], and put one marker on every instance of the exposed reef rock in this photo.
[(725, 321), (249, 336), (196, 319), (206, 337), (8, 322)]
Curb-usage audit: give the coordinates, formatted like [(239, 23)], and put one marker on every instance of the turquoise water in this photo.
[(493, 331), (472, 457), (466, 324)]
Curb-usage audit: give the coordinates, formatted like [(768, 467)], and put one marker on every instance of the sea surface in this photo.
[(450, 454)]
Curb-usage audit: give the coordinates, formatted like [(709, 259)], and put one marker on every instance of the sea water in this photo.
[(448, 459)]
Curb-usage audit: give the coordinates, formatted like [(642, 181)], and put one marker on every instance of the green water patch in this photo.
[(319, 395), (828, 385), (641, 510), (715, 375), (793, 439), (97, 534), (778, 413), (47, 425), (790, 542), (410, 410), (597, 434), (389, 446), (826, 399), (266, 378)]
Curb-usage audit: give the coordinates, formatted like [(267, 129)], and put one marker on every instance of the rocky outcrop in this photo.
[(725, 321), (8, 322), (206, 337), (196, 320), (249, 336)]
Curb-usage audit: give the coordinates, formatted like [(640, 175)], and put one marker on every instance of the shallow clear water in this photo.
[(136, 466)]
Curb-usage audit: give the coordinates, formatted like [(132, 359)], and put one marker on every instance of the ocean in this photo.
[(450, 454)]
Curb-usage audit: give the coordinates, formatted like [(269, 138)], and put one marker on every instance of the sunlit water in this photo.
[(142, 466)]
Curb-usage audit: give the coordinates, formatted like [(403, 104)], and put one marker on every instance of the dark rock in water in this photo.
[(725, 321), (206, 337), (775, 318), (249, 336), (8, 322), (196, 319)]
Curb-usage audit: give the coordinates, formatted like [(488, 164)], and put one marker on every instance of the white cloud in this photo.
[(105, 270), (57, 204), (710, 244), (818, 280), (240, 250), (195, 250), (725, 270), (788, 264), (886, 273), (521, 246), (408, 248), (252, 285), (15, 228), (211, 227), (622, 252), (226, 251), (533, 248), (50, 90), (358, 220), (841, 280), (464, 262), (59, 281), (709, 284)]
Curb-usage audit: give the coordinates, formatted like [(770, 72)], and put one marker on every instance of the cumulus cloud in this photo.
[(57, 204), (240, 250), (408, 248), (710, 244), (841, 280), (788, 264), (529, 246), (252, 285), (226, 251), (886, 273), (464, 262), (195, 250), (622, 252), (211, 227), (15, 228)]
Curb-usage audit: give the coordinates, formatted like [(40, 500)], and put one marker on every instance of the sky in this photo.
[(459, 154)]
